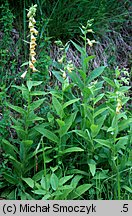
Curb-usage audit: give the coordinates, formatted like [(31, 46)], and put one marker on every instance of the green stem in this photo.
[(44, 162)]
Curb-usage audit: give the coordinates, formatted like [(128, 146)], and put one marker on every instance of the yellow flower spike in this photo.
[(31, 13)]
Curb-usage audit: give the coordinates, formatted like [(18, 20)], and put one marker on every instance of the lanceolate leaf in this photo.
[(72, 149), (9, 148), (102, 142), (80, 49), (50, 135), (68, 122), (16, 108), (10, 179), (54, 181), (30, 84), (36, 104), (29, 182), (80, 191), (58, 107), (70, 102), (95, 73)]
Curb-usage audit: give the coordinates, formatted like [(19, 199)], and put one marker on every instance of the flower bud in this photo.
[(34, 69), (64, 75), (90, 30), (29, 14), (89, 42)]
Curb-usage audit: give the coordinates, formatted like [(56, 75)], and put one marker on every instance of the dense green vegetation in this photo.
[(65, 100)]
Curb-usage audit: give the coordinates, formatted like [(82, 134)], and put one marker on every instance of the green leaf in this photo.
[(99, 122), (102, 142), (40, 192), (20, 131), (124, 88), (9, 148), (80, 49), (25, 63), (124, 124), (10, 179), (58, 107), (95, 73), (16, 164), (29, 182), (109, 81), (60, 122), (45, 182), (30, 84), (36, 104), (82, 73), (76, 180), (58, 76), (38, 175), (22, 88), (94, 129), (79, 191), (16, 108), (98, 98), (64, 179), (81, 133), (68, 122), (99, 111), (92, 167), (76, 79), (70, 102), (72, 149), (50, 135), (128, 189), (101, 175), (88, 58), (35, 93), (54, 181), (27, 142), (32, 117)]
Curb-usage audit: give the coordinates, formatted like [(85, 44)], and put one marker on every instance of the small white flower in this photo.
[(24, 74)]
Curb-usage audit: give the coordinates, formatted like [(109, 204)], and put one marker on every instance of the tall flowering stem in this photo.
[(33, 33)]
